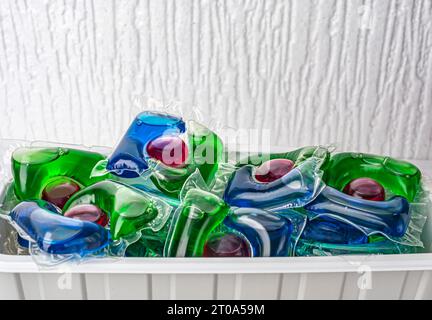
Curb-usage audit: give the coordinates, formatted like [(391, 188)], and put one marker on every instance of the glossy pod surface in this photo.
[(170, 150), (268, 233), (295, 189), (197, 217), (129, 159), (401, 178), (34, 169), (328, 230), (227, 245), (88, 212), (129, 209), (204, 153), (390, 217), (56, 234), (365, 188), (59, 191), (273, 170)]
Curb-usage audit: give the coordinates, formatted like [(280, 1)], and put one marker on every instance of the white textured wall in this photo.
[(354, 72)]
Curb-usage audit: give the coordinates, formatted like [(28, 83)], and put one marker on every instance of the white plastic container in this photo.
[(338, 277)]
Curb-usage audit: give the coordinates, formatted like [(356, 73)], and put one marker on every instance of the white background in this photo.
[(358, 73)]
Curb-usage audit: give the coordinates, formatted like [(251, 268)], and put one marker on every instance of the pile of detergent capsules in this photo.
[(169, 190)]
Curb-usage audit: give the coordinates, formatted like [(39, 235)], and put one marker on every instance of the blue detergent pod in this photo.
[(23, 243), (129, 159), (268, 233), (389, 217), (295, 189), (56, 234), (329, 230)]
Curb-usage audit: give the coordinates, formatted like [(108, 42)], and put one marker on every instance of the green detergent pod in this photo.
[(52, 172), (200, 213), (399, 177), (129, 209), (205, 153)]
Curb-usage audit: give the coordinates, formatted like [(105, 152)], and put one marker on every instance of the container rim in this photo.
[(346, 263)]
